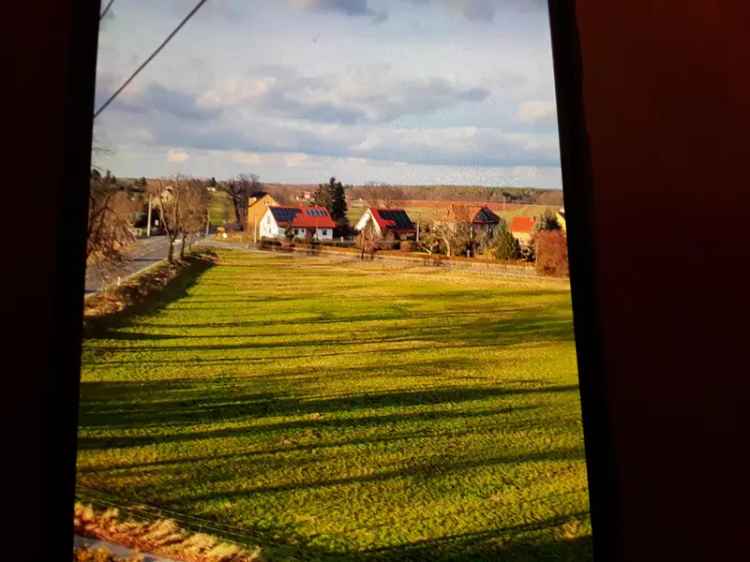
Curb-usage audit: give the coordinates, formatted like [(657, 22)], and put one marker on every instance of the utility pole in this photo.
[(208, 222), (148, 221)]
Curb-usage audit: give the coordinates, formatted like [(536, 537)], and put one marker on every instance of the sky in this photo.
[(297, 91)]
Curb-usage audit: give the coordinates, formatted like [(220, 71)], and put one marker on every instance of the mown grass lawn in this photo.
[(350, 410)]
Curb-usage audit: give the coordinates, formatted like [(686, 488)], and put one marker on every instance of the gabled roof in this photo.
[(485, 216), (393, 219), (522, 225), (476, 214), (302, 217), (283, 215), (258, 196), (313, 217)]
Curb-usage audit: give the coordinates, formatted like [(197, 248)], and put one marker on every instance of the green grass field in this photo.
[(220, 210), (347, 411)]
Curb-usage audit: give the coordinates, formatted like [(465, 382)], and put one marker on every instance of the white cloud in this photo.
[(295, 160), (345, 7), (347, 97), (484, 10), (174, 155), (247, 158), (430, 89), (537, 112)]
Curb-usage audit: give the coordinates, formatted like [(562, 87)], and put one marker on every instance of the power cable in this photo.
[(149, 59)]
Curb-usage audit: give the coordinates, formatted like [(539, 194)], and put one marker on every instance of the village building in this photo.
[(306, 223), (482, 218), (522, 229), (392, 224), (257, 205)]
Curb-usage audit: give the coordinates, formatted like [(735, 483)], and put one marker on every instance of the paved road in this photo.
[(117, 549), (144, 253)]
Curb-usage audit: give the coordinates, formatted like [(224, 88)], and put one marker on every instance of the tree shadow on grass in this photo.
[(415, 469), (291, 428), (551, 539), (458, 334), (178, 288), (519, 543), (292, 446), (127, 404)]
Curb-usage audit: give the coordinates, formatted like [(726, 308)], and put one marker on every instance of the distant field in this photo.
[(220, 210), (336, 410)]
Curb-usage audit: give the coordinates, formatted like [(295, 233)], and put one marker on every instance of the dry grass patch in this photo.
[(163, 537)]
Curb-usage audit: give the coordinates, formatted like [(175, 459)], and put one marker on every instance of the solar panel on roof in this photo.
[(398, 216), (283, 214)]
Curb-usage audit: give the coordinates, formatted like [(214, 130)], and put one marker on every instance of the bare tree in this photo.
[(183, 207), (452, 238), (239, 190), (167, 196), (368, 241), (380, 195), (109, 229), (194, 212)]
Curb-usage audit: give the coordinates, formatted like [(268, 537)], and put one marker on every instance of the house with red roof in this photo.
[(306, 223), (522, 228), (387, 223)]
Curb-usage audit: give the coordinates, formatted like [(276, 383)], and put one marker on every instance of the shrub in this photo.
[(548, 221), (500, 244), (407, 246), (551, 249)]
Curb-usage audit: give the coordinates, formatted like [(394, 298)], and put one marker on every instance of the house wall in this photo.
[(256, 210), (319, 234), (269, 228), (366, 219), (324, 233)]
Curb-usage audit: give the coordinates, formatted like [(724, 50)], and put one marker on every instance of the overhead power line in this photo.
[(106, 9), (150, 58)]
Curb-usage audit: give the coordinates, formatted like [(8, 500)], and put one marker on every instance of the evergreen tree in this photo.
[(338, 203), (332, 196), (505, 246)]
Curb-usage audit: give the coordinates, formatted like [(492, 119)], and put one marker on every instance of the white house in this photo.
[(307, 223), (387, 221)]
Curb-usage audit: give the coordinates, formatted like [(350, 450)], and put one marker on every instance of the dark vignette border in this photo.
[(578, 197)]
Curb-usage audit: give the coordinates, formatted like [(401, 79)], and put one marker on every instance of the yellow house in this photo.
[(561, 219), (257, 205)]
